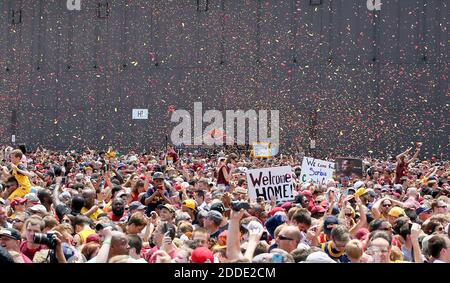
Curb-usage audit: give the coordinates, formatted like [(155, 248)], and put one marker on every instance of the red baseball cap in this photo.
[(318, 209), (17, 201), (93, 238), (275, 210), (202, 255), (287, 205), (306, 193)]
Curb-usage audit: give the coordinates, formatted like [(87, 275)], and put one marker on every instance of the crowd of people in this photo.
[(185, 207)]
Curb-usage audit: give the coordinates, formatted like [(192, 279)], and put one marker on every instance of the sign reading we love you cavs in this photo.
[(270, 182)]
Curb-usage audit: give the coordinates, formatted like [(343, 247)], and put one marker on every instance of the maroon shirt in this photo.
[(221, 178), (400, 171), (30, 252)]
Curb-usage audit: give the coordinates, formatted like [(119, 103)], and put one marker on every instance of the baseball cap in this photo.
[(18, 200), (423, 208), (32, 198), (252, 225), (287, 205), (202, 255), (93, 238), (397, 212), (11, 233), (167, 206), (318, 209), (275, 210), (306, 193), (327, 224), (371, 192), (158, 175), (136, 205), (190, 203), (38, 208), (240, 190), (319, 257), (214, 216), (361, 191), (219, 206), (358, 185)]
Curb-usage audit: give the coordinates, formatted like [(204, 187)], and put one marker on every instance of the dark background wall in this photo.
[(377, 80)]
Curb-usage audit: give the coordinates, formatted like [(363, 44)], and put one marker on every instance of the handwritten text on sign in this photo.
[(316, 170), (270, 182)]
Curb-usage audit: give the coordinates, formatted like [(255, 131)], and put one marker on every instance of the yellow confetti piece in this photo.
[(135, 63)]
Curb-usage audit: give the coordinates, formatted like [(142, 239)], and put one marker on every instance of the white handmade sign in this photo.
[(270, 182), (316, 170)]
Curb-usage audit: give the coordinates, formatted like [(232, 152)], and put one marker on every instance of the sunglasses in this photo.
[(283, 238), (349, 214), (386, 205)]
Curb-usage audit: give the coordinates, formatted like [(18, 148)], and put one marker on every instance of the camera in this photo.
[(45, 239), (238, 205)]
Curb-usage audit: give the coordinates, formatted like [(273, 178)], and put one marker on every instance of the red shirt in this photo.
[(221, 177), (115, 218), (29, 253), (148, 256)]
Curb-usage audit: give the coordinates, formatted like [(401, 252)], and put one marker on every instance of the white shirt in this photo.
[(439, 261)]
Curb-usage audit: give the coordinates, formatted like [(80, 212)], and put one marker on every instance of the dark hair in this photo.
[(5, 256), (78, 186), (302, 217), (375, 224), (201, 194), (402, 227), (77, 203), (380, 234), (168, 227), (300, 255), (435, 245), (81, 220), (42, 194), (340, 233), (115, 189), (12, 179), (134, 241)]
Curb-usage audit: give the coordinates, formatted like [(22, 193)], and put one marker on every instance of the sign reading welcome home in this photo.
[(270, 182)]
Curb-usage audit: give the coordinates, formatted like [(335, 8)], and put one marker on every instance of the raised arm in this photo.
[(403, 154), (234, 235)]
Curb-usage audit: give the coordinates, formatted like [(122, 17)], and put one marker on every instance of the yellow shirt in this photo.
[(94, 215), (84, 234), (24, 184)]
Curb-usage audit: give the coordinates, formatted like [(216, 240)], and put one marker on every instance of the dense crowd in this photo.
[(187, 207)]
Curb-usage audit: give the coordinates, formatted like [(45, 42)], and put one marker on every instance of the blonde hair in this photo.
[(278, 229), (396, 254), (354, 249)]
